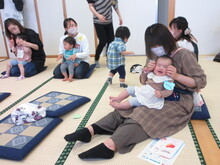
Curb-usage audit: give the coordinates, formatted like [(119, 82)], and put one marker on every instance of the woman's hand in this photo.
[(31, 45), (93, 10), (172, 72), (73, 57), (11, 43), (102, 18), (183, 79), (150, 66), (120, 21), (25, 43)]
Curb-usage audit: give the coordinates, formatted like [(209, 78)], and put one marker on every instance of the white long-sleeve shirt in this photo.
[(82, 47), (185, 44)]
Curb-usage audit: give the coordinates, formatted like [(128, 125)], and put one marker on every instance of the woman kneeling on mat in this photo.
[(82, 49), (36, 65)]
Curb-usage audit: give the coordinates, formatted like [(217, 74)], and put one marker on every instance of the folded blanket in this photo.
[(197, 99), (27, 113)]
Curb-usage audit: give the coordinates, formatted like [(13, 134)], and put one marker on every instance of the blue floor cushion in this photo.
[(92, 67), (30, 74), (4, 95), (59, 75), (17, 141), (59, 103), (201, 113)]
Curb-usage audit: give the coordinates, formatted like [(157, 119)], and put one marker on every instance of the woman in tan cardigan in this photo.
[(131, 126)]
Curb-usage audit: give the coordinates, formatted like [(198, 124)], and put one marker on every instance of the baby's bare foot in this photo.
[(65, 79), (114, 99), (70, 79), (114, 104)]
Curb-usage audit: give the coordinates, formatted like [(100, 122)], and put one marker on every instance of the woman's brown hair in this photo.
[(12, 21), (158, 34)]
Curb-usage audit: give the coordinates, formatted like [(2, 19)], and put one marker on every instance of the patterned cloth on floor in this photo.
[(27, 113)]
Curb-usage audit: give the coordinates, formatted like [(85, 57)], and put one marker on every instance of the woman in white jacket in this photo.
[(82, 49)]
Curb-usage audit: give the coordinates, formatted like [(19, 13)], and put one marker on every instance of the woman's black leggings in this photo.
[(105, 34)]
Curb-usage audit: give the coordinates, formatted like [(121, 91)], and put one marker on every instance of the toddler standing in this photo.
[(116, 55)]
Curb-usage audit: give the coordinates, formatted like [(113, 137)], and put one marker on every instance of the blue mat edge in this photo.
[(19, 154), (4, 95)]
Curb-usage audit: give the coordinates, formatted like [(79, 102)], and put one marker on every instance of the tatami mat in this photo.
[(211, 91), (20, 88), (53, 145)]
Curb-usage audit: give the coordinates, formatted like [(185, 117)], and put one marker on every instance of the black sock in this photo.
[(100, 151), (82, 135), (98, 130)]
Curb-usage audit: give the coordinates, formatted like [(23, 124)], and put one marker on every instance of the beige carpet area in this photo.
[(212, 90), (48, 151)]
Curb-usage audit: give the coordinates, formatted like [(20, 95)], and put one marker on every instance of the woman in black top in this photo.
[(36, 65)]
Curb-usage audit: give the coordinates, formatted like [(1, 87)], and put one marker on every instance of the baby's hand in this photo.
[(150, 66), (158, 94), (59, 57), (131, 53), (145, 70)]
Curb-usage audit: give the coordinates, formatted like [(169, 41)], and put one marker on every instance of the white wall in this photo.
[(137, 17), (144, 13), (79, 11), (29, 19), (51, 21), (29, 15), (163, 6), (2, 45), (203, 17)]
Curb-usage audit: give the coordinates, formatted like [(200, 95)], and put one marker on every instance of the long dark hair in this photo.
[(12, 21), (65, 23), (158, 34), (181, 23)]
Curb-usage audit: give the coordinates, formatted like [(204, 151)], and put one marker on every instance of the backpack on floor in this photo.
[(217, 58)]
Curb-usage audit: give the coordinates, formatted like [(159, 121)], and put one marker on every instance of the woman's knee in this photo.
[(81, 70), (14, 71), (131, 133), (57, 72), (30, 69), (78, 76)]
